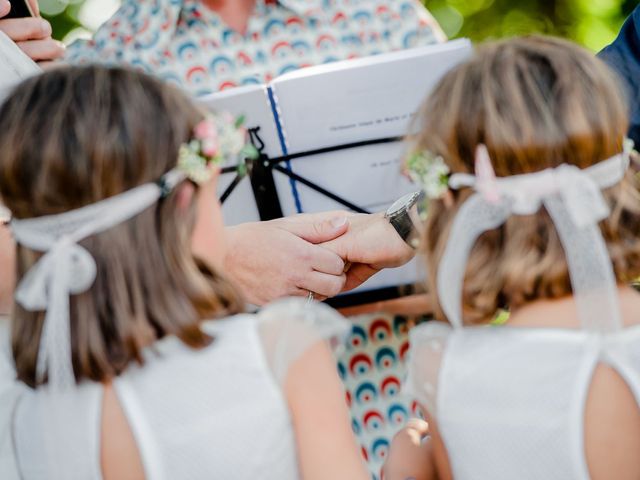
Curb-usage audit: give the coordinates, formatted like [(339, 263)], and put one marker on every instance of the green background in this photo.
[(592, 23)]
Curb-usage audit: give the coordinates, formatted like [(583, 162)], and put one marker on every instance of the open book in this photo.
[(15, 66), (345, 103)]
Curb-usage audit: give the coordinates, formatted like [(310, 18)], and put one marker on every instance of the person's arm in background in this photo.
[(623, 56), (32, 35)]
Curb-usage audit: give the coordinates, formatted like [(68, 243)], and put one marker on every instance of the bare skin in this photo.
[(611, 419)]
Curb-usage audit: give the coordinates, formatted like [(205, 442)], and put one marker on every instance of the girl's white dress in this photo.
[(510, 402), (218, 412)]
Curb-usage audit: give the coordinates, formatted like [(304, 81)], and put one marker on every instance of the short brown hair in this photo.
[(536, 103), (77, 135)]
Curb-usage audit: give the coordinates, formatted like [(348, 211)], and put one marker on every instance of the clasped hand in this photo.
[(325, 253), (32, 35)]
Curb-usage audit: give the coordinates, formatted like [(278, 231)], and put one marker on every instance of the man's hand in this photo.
[(32, 35), (370, 245), (280, 258)]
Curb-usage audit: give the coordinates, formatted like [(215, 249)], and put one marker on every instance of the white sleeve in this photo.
[(289, 328), (428, 342), (15, 66)]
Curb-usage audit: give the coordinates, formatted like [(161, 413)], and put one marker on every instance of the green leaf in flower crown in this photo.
[(240, 121), (250, 152), (242, 170)]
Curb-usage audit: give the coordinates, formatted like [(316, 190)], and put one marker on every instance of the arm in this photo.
[(32, 35), (281, 258), (325, 441), (411, 454)]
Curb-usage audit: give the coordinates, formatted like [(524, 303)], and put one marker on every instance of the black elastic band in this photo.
[(275, 164)]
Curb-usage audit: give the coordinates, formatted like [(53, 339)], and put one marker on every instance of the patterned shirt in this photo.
[(188, 44)]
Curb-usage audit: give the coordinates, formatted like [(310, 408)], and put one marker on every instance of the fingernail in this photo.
[(339, 222), (46, 28)]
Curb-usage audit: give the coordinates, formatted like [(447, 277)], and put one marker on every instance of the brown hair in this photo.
[(536, 103), (77, 135)]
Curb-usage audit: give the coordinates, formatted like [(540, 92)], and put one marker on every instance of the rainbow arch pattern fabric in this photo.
[(190, 46), (372, 368)]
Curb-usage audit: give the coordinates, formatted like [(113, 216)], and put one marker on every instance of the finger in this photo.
[(313, 230), (49, 64), (35, 8), (5, 8), (40, 50), (299, 292), (358, 274), (323, 285), (325, 261), (419, 426), (22, 29)]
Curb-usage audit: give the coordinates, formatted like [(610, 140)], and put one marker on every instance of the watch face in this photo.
[(402, 204)]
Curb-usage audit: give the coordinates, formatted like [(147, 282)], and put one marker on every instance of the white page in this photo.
[(253, 103), (15, 66), (354, 101)]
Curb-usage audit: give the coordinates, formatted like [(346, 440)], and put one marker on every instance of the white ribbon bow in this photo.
[(68, 269), (574, 200)]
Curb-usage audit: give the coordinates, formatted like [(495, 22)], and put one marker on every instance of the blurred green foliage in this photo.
[(592, 23)]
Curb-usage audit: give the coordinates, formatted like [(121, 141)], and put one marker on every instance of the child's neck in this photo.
[(562, 312)]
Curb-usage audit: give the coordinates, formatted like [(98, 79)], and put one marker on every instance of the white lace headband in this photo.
[(575, 203), (67, 269)]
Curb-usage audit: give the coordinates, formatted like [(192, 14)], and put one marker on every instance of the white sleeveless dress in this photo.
[(219, 412), (510, 401)]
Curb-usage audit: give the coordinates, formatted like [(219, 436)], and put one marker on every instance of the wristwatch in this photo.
[(405, 217)]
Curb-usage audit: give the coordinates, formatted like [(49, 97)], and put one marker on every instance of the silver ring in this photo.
[(311, 296)]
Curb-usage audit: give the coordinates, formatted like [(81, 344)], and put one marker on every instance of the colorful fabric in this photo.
[(372, 367), (187, 44)]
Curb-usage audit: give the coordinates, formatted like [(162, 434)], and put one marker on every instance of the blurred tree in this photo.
[(592, 23)]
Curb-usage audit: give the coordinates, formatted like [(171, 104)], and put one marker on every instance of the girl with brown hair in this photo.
[(133, 357), (533, 208)]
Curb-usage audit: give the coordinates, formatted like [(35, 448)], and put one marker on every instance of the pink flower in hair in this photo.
[(210, 147), (207, 132), (206, 129)]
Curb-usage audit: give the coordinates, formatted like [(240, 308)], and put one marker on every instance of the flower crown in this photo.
[(430, 172), (218, 140)]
